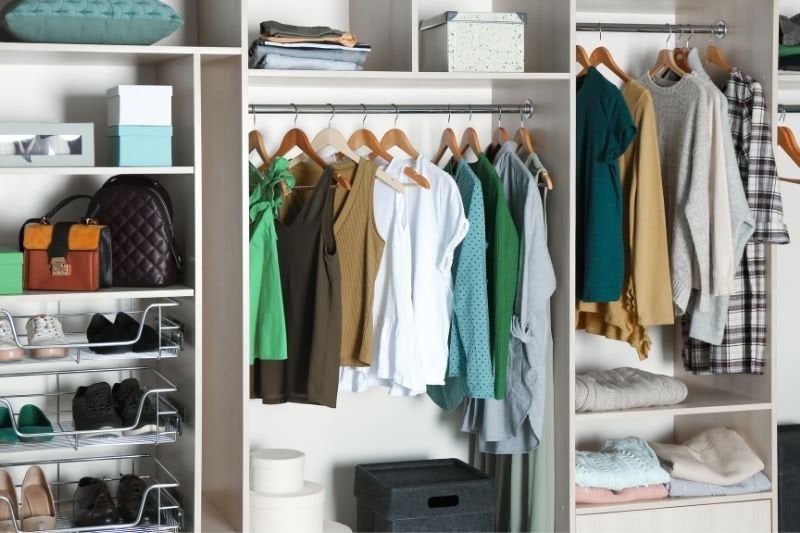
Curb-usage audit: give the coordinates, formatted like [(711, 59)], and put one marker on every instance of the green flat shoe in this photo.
[(32, 420), (7, 433)]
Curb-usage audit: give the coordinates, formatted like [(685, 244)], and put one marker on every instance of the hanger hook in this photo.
[(294, 106), (691, 36), (678, 37), (669, 35), (469, 106), (396, 114), (364, 120), (500, 118), (449, 114), (600, 31), (333, 114), (782, 113), (253, 113)]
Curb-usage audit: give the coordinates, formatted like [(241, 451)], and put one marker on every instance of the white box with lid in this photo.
[(295, 512), (277, 471), (140, 105), (473, 42)]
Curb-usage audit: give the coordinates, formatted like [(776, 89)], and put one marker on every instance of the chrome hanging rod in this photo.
[(783, 109), (718, 29), (525, 109)]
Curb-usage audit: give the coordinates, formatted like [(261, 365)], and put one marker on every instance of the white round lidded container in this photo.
[(335, 527), (300, 512), (277, 471)]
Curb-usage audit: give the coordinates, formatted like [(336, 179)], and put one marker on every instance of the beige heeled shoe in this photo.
[(8, 517), (38, 509)]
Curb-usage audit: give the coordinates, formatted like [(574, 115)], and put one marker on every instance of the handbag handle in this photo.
[(51, 213)]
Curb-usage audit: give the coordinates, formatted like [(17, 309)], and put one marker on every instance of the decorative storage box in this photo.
[(140, 105), (437, 495), (10, 271), (473, 42), (40, 144), (140, 146)]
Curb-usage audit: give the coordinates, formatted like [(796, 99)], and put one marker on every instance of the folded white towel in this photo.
[(719, 456), (626, 388)]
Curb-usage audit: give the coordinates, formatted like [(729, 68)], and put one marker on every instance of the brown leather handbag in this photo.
[(65, 256)]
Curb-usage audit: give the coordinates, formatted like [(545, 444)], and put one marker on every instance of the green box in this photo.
[(140, 146), (10, 271)]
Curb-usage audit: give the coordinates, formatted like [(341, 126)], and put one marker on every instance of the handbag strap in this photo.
[(50, 214), (59, 244)]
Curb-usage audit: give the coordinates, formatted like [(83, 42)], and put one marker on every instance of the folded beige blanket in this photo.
[(719, 456), (626, 388)]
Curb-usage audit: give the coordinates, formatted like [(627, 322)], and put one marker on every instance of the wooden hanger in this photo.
[(714, 57), (470, 140), (364, 137), (501, 135), (297, 138), (602, 56), (525, 141), (788, 142), (666, 62), (449, 142), (256, 143), (582, 57), (331, 137)]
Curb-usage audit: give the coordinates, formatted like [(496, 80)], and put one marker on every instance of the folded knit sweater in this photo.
[(620, 464), (626, 388)]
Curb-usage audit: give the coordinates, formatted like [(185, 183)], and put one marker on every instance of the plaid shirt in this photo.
[(743, 346)]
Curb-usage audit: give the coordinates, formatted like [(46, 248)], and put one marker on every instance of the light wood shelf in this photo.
[(94, 171), (699, 401), (113, 293), (372, 78), (789, 81), (101, 55), (588, 509)]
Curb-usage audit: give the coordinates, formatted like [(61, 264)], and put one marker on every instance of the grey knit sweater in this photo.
[(684, 138)]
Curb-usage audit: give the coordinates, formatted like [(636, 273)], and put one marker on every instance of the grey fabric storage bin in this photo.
[(433, 495), (788, 478)]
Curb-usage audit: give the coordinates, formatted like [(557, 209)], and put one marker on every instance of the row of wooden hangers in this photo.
[(330, 137), (668, 60)]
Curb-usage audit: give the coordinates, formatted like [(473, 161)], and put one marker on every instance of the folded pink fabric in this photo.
[(634, 494)]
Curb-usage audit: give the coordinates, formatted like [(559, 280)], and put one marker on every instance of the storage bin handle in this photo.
[(438, 502)]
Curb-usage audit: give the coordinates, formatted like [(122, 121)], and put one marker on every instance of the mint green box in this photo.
[(10, 271), (140, 146)]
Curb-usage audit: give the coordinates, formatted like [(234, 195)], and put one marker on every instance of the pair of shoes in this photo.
[(94, 505), (31, 420), (43, 331), (123, 329), (99, 407), (38, 511)]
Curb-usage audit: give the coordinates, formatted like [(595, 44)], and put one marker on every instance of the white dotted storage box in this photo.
[(473, 42)]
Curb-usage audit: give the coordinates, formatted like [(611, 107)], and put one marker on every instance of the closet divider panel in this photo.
[(387, 25), (225, 221)]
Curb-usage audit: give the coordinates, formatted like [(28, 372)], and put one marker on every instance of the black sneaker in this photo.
[(130, 492), (93, 504), (93, 408), (148, 342), (128, 396), (102, 330)]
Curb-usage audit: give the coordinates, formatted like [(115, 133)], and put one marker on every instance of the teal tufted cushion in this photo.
[(90, 21)]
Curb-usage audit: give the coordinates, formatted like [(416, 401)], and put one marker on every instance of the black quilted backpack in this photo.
[(138, 210)]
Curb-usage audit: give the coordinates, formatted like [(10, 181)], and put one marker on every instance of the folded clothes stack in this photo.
[(286, 47), (789, 48), (624, 470), (626, 388), (716, 462)]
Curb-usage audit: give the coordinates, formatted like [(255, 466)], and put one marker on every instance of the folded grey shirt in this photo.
[(274, 28), (683, 488), (626, 388)]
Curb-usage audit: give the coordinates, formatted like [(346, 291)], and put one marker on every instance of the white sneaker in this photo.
[(46, 330), (9, 351)]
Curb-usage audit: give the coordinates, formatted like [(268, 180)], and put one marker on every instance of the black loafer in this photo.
[(94, 505), (130, 492), (149, 340)]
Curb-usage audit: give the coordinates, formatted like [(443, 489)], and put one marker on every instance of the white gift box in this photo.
[(140, 105)]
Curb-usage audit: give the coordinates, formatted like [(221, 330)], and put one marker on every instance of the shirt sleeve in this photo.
[(722, 267), (452, 223), (622, 131)]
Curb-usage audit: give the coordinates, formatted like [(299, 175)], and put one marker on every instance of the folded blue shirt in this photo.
[(620, 464)]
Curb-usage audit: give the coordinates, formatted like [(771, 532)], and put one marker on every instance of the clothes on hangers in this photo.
[(646, 298), (437, 225), (743, 345), (513, 424), (604, 131), (469, 370), (267, 320), (311, 281)]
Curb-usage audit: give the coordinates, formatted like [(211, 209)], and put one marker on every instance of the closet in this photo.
[(374, 426), (68, 83)]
